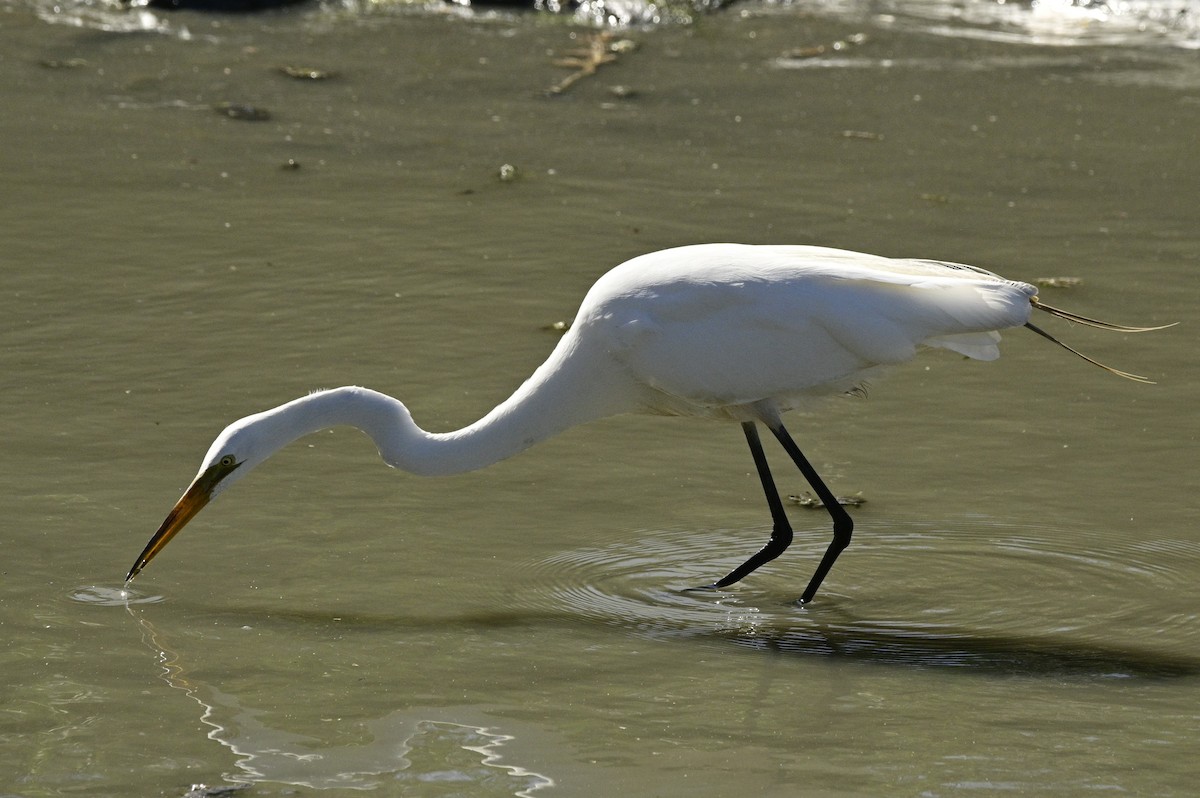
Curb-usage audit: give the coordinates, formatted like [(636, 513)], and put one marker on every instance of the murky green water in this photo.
[(1018, 611)]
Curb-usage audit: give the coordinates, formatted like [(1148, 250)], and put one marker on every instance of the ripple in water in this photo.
[(105, 596), (974, 595)]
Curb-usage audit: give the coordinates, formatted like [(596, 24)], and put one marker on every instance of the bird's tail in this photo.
[(1103, 325)]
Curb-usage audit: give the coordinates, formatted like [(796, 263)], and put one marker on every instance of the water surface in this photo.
[(1017, 612)]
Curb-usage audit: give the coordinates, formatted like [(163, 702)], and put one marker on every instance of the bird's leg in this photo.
[(843, 525), (781, 530)]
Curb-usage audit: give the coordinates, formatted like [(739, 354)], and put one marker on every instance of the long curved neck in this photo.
[(559, 395)]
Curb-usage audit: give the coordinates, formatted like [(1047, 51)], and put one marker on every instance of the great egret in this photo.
[(725, 331)]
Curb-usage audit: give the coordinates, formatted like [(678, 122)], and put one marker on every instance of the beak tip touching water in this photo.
[(192, 502), (138, 565)]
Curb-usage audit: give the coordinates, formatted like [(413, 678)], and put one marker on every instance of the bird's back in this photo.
[(709, 329)]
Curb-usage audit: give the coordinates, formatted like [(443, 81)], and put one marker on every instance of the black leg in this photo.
[(843, 525), (781, 531)]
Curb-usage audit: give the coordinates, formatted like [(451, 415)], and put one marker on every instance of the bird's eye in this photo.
[(228, 461)]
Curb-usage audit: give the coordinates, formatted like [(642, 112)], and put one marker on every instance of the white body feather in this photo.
[(708, 330), (726, 331)]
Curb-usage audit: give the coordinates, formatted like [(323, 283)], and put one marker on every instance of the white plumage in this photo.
[(717, 327), (728, 331)]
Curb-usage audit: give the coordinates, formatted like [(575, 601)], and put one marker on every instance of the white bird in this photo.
[(724, 331)]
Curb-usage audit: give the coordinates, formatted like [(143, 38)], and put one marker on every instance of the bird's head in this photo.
[(239, 448)]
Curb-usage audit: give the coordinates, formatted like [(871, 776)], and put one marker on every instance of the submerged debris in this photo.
[(245, 113), (1058, 282), (599, 49), (65, 63), (813, 503), (623, 46), (817, 50), (204, 791), (306, 73)]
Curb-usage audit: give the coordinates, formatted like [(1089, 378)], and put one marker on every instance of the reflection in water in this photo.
[(1045, 22), (924, 597), (1039, 22), (1132, 67), (403, 749), (1006, 654)]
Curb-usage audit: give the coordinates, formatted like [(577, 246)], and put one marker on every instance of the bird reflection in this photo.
[(971, 652), (401, 747)]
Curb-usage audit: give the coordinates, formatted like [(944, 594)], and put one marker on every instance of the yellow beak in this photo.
[(191, 502), (185, 509)]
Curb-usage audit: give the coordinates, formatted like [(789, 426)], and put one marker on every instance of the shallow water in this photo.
[(1017, 611)]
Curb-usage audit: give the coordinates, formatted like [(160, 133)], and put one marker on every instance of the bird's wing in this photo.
[(798, 324)]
